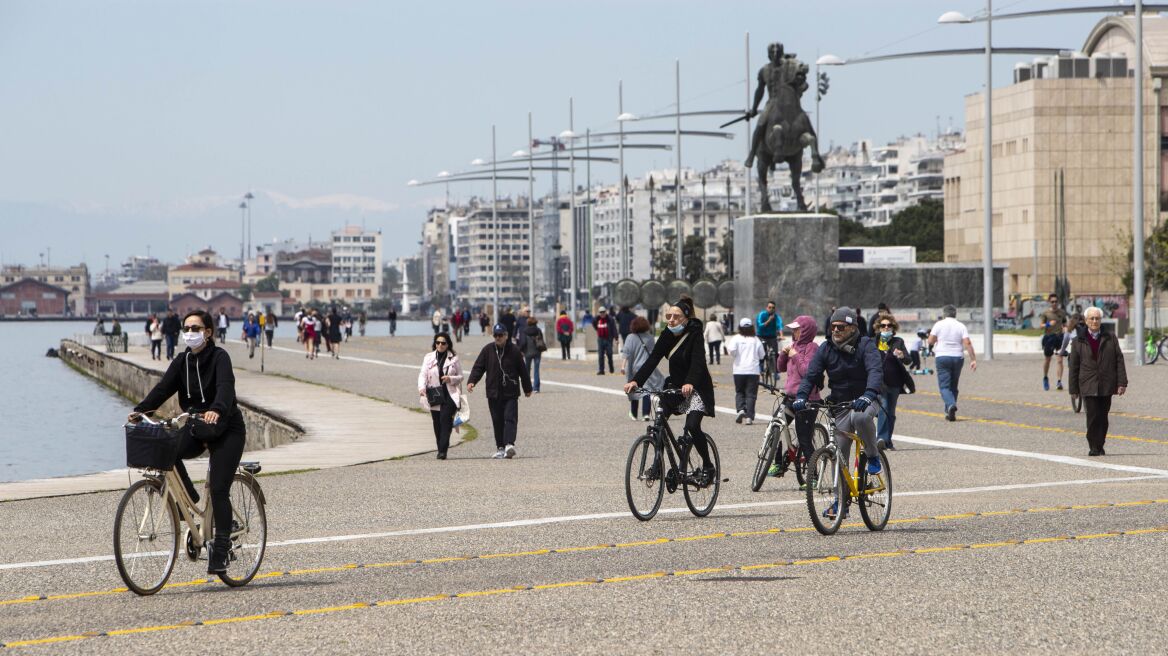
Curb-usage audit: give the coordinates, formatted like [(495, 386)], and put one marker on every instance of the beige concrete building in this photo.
[(74, 279), (1071, 115)]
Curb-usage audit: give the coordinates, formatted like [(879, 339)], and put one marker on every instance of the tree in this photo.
[(245, 292), (665, 260), (922, 226), (390, 279), (693, 258), (1155, 261), (268, 284), (726, 255)]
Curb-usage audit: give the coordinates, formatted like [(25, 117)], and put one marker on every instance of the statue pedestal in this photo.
[(791, 259)]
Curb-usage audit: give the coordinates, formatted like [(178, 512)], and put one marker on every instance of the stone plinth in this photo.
[(792, 259)]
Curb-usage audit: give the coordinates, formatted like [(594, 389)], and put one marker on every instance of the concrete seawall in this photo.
[(264, 428)]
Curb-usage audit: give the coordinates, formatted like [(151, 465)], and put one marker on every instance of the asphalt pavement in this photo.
[(1005, 537)]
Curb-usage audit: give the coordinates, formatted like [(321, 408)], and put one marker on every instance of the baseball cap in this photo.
[(793, 325), (844, 315), (500, 329), (745, 323)]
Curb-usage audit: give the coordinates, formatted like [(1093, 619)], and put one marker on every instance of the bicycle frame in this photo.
[(669, 443), (852, 481), (176, 493)]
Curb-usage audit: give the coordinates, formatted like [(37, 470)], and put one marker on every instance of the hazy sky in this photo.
[(127, 124)]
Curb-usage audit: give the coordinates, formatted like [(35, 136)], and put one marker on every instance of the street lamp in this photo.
[(242, 234), (573, 252), (248, 197)]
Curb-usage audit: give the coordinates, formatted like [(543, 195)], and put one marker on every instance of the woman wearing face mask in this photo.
[(894, 355), (682, 344), (204, 382)]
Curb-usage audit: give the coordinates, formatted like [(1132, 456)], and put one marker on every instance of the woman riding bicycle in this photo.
[(213, 395), (682, 344)]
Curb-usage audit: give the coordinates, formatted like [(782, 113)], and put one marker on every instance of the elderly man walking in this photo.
[(502, 364), (950, 339), (1097, 373)]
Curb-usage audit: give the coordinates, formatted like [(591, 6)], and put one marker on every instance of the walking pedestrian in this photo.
[(309, 336), (251, 333), (508, 321), (456, 323), (362, 319), (224, 324), (950, 339), (171, 327), (438, 389), (299, 319), (436, 320), (484, 321), (624, 322), (714, 335), (270, 323), (334, 333), (392, 317), (1097, 373), (635, 350), (895, 356), (347, 322), (681, 344), (532, 345), (1053, 320), (155, 338), (606, 331), (564, 331), (502, 365), (794, 360), (748, 351)]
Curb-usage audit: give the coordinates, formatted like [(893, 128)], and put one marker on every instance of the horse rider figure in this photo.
[(784, 127)]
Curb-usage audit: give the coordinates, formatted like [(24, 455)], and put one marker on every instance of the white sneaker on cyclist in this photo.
[(509, 451), (499, 455)]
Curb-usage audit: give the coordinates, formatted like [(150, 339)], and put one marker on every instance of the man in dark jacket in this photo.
[(1097, 373), (171, 327), (855, 372), (606, 332), (502, 363), (624, 322)]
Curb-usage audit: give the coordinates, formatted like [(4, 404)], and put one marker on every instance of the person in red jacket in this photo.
[(564, 330), (606, 332)]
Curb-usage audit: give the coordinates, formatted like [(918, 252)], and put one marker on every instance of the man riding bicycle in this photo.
[(767, 327), (855, 374)]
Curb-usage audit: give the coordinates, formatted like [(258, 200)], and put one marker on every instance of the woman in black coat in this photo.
[(894, 355), (683, 345)]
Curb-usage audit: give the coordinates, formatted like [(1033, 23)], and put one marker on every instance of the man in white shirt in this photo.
[(950, 339)]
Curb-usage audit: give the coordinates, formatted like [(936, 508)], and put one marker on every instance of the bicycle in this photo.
[(779, 440), (835, 483), (770, 376), (1155, 348), (146, 523), (646, 478)]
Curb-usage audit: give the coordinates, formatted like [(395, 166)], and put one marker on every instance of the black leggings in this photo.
[(645, 406), (226, 451), (444, 421), (693, 426)]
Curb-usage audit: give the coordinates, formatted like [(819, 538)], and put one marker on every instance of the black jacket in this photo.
[(203, 381), (895, 375), (686, 367), (504, 371), (171, 326), (850, 375)]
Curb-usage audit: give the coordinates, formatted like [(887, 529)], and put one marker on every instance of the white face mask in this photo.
[(194, 340)]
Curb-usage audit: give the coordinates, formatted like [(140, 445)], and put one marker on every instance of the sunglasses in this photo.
[(839, 328), (192, 328), (669, 317), (442, 342), (885, 325)]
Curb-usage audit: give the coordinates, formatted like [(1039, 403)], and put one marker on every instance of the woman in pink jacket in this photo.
[(794, 360), (442, 372)]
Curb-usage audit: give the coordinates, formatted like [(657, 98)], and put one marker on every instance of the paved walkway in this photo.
[(340, 429)]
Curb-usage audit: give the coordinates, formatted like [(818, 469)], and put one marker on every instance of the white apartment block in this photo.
[(357, 259), (490, 253)]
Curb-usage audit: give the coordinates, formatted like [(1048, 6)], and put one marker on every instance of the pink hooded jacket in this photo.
[(796, 365)]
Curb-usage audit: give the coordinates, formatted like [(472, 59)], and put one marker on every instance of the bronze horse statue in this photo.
[(784, 130)]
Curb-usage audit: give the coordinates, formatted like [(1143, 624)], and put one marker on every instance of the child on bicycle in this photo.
[(222, 430)]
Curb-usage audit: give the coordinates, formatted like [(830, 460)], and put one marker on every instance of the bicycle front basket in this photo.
[(151, 446)]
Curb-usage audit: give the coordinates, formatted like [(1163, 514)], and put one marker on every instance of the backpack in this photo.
[(540, 345)]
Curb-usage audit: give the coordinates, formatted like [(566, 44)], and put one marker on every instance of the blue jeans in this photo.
[(948, 373), (529, 361), (887, 420)]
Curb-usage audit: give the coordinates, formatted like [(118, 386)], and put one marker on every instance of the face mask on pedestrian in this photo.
[(886, 335), (676, 330), (194, 340)]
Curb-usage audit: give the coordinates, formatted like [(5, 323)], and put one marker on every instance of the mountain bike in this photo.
[(146, 523), (779, 440), (1156, 347), (770, 376), (834, 484), (653, 467)]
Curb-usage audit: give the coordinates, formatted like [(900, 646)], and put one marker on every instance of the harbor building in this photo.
[(74, 279)]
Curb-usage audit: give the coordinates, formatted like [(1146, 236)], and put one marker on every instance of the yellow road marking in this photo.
[(599, 547), (564, 584)]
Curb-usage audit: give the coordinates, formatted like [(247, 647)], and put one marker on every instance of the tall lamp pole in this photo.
[(987, 258), (1138, 186), (495, 221), (249, 197), (530, 216), (574, 250), (242, 234), (677, 189)]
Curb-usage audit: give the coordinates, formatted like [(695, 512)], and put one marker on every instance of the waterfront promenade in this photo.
[(1005, 536)]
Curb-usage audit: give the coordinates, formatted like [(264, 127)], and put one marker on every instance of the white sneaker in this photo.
[(632, 416), (750, 421), (509, 451), (740, 417), (499, 455)]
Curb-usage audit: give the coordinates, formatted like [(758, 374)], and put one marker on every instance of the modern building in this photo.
[(489, 253), (29, 297), (74, 280), (1062, 163), (356, 255)]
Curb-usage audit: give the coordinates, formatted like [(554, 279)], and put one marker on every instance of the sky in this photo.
[(130, 127)]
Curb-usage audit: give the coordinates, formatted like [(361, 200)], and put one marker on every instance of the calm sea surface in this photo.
[(57, 422)]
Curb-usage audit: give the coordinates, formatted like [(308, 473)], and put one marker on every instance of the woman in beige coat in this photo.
[(441, 370), (1097, 373)]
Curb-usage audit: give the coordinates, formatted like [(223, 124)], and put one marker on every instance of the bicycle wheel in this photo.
[(818, 440), (766, 454), (644, 485), (1156, 351), (826, 490), (699, 486), (249, 531), (876, 495), (1076, 403), (145, 537)]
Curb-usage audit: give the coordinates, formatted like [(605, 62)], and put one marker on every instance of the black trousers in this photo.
[(444, 422), (1097, 408), (693, 426), (504, 420), (156, 349), (170, 341), (745, 393), (269, 334), (804, 427), (226, 451), (565, 350), (715, 351)]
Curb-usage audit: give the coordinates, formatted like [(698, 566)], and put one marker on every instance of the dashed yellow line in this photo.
[(1013, 424), (1045, 406), (723, 569), (601, 547)]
